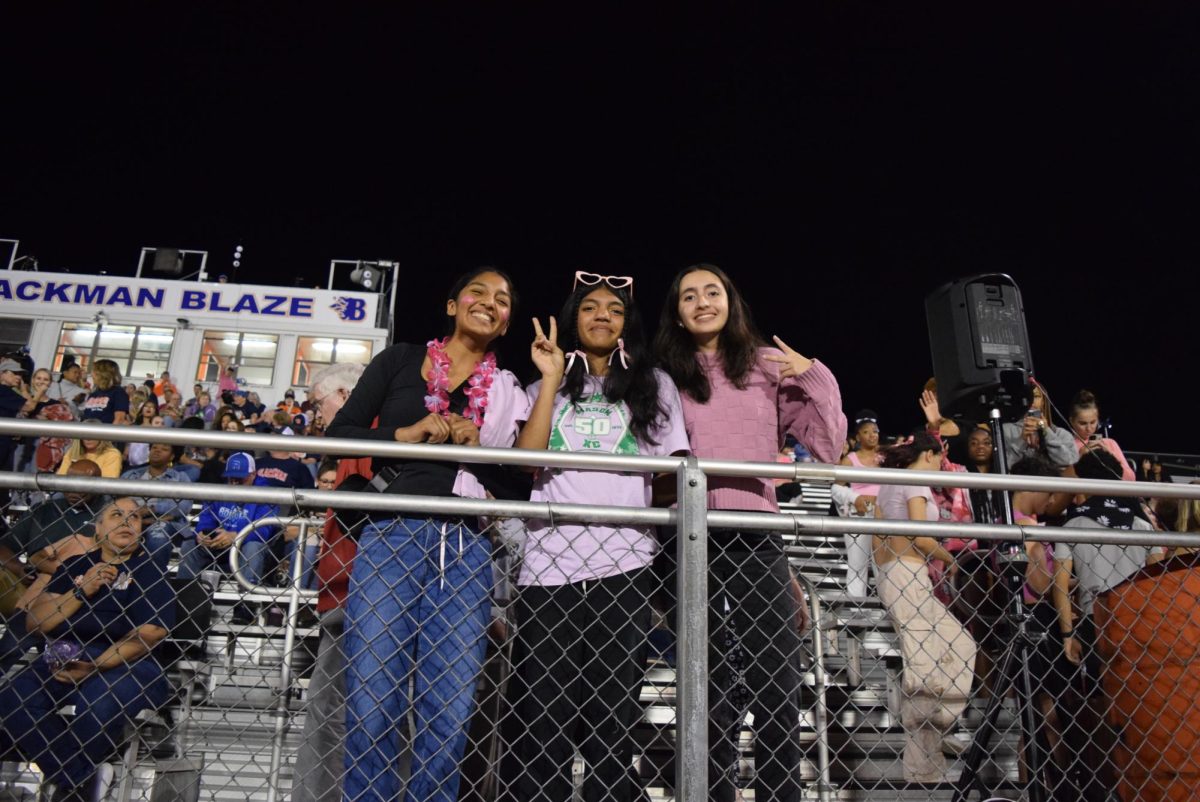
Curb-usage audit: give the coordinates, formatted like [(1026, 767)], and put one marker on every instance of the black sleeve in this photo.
[(11, 403), (366, 401)]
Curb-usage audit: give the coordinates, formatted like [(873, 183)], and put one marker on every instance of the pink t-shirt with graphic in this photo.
[(570, 552)]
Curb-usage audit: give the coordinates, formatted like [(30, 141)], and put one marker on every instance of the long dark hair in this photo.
[(904, 454), (636, 385), (738, 344), (463, 280)]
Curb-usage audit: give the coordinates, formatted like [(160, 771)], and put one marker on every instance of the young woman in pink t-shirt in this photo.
[(1085, 421), (740, 399), (583, 610), (938, 652)]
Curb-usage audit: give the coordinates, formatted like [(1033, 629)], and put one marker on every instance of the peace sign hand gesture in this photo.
[(790, 363), (546, 355)]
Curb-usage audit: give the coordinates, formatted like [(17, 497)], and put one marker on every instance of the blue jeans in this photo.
[(194, 558), (418, 608), (68, 751)]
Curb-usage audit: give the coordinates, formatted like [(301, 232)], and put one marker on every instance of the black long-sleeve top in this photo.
[(393, 390)]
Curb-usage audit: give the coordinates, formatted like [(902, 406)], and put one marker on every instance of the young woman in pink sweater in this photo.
[(740, 399)]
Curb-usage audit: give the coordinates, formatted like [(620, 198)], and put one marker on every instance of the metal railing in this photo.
[(691, 518)]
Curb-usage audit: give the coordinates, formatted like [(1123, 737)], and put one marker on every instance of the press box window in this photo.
[(140, 352), (314, 353), (254, 355)]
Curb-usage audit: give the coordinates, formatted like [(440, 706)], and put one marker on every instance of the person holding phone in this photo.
[(1035, 435), (1084, 418)]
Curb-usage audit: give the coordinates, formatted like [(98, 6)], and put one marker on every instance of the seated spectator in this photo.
[(201, 407), (103, 611), (136, 454), (223, 414), (1095, 569), (1085, 421), (288, 404), (219, 523), (244, 408), (107, 402), (196, 390), (47, 534), (12, 401), (283, 469), (1036, 435), (171, 409), (101, 452), (190, 459), (167, 518), (69, 385)]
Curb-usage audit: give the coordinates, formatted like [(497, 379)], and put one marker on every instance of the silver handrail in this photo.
[(291, 623), (811, 471)]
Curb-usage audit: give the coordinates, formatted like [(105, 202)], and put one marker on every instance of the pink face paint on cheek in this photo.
[(504, 314), (467, 299)]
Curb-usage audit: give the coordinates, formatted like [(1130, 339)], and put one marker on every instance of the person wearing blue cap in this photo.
[(219, 523)]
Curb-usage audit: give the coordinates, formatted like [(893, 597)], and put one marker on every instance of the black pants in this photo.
[(580, 660), (1082, 712), (754, 666)]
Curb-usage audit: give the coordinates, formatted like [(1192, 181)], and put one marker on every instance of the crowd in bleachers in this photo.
[(407, 599)]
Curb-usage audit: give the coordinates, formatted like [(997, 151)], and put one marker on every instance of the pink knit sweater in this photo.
[(750, 424)]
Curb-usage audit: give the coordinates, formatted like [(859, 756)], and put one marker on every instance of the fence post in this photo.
[(691, 672)]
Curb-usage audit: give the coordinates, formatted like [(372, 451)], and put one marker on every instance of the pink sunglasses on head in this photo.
[(592, 279)]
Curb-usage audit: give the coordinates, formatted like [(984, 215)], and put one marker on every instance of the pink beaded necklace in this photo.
[(438, 384)]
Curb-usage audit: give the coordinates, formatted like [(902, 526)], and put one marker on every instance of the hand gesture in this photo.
[(1073, 650), (929, 405), (790, 363), (98, 576), (75, 671), (432, 428), (546, 355), (463, 432)]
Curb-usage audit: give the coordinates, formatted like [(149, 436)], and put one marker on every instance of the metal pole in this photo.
[(294, 593), (691, 665), (821, 713)]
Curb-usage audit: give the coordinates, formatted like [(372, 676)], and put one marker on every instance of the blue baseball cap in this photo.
[(239, 466)]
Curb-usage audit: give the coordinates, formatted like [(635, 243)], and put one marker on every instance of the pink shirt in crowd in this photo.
[(569, 552), (859, 487), (750, 424)]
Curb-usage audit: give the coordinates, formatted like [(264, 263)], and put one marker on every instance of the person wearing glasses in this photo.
[(583, 606), (740, 398), (419, 599)]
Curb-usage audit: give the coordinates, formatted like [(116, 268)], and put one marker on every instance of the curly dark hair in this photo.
[(904, 454), (738, 344), (636, 385)]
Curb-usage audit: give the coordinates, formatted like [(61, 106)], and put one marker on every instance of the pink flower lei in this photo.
[(438, 385)]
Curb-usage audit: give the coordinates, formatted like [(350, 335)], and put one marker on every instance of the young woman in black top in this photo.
[(419, 597)]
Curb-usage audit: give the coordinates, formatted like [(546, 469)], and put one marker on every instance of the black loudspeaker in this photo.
[(168, 260), (980, 347)]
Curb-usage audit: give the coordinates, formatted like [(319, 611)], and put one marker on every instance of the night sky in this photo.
[(840, 163)]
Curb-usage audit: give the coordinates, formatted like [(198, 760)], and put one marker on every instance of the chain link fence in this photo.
[(514, 651)]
